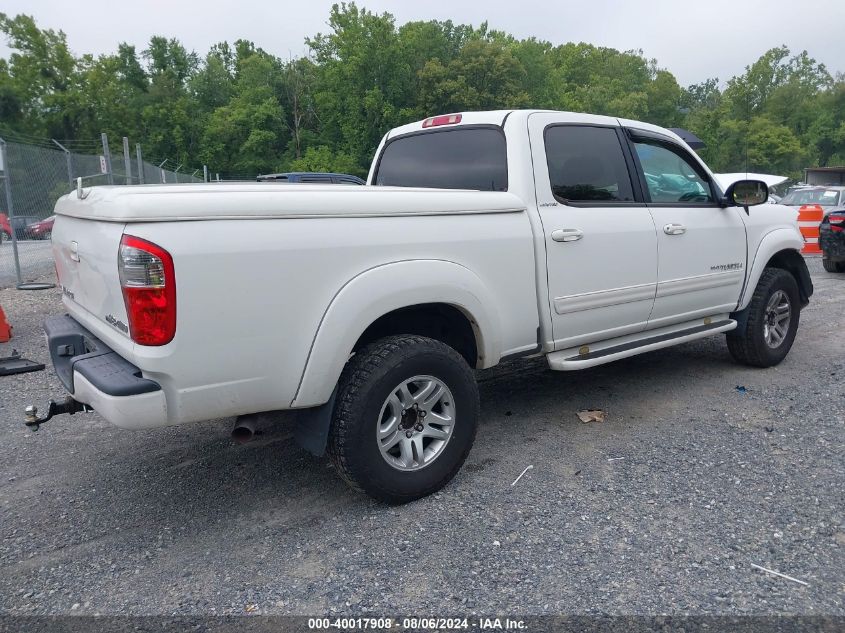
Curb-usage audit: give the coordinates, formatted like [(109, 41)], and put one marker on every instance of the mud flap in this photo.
[(313, 425)]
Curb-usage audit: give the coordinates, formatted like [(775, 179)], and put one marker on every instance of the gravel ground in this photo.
[(36, 260), (662, 508)]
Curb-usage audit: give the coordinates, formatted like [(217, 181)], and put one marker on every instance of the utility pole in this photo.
[(140, 164), (126, 161), (68, 159), (10, 211), (107, 155)]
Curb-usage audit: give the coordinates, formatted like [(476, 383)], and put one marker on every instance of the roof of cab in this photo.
[(497, 117)]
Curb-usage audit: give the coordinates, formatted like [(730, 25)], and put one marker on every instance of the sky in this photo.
[(693, 40)]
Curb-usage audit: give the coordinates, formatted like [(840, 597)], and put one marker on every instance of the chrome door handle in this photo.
[(674, 229), (567, 235)]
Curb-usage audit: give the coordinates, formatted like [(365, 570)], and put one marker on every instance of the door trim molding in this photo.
[(604, 298), (699, 282)]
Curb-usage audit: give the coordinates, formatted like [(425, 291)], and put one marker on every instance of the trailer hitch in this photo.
[(69, 406)]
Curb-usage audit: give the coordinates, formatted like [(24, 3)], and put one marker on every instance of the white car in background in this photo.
[(726, 180), (828, 198)]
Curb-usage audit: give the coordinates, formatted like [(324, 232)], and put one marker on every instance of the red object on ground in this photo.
[(5, 328), (5, 227)]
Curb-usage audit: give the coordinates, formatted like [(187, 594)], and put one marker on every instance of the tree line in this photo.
[(244, 111)]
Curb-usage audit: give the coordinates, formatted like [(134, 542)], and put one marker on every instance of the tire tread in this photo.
[(356, 377), (741, 344)]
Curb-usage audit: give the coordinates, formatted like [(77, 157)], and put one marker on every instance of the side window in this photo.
[(586, 165), (669, 176)]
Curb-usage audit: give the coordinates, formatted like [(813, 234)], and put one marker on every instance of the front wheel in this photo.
[(772, 321), (405, 419)]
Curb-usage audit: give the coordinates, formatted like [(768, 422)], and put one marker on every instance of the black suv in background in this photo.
[(832, 241)]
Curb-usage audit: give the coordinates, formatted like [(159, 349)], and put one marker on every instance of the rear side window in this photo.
[(462, 158), (586, 164)]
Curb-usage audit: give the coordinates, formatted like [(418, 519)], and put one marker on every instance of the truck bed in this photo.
[(259, 268), (218, 201)]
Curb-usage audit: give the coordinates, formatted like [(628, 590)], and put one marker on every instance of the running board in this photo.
[(570, 360)]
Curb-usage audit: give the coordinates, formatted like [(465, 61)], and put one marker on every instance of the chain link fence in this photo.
[(35, 173)]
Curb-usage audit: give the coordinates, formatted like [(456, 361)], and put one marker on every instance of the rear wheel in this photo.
[(405, 418), (772, 321), (833, 267)]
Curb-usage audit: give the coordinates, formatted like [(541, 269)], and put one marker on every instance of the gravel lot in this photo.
[(662, 508), (36, 260)]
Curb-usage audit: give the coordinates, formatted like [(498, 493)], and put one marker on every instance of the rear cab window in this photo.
[(467, 157)]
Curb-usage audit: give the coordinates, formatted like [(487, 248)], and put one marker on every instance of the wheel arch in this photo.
[(437, 298), (780, 248)]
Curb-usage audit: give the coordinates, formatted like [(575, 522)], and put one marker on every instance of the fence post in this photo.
[(176, 172), (127, 163), (107, 156), (205, 173), (7, 185), (140, 164), (161, 170), (68, 159)]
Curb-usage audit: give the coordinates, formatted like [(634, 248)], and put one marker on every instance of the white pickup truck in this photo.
[(480, 237)]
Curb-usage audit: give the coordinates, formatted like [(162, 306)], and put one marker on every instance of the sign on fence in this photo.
[(104, 168)]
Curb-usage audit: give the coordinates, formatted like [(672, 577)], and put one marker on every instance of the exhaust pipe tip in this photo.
[(244, 430)]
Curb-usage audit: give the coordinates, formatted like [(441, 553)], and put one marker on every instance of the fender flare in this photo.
[(780, 239), (381, 290)]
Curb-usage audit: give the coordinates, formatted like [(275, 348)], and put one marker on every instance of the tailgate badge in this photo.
[(120, 325), (74, 251)]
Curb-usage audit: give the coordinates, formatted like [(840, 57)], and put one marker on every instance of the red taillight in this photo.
[(443, 119), (149, 290), (837, 222)]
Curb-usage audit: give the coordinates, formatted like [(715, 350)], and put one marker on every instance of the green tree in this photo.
[(484, 76), (322, 158), (247, 135), (363, 82)]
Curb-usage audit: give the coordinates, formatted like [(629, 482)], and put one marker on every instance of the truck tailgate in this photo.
[(86, 263)]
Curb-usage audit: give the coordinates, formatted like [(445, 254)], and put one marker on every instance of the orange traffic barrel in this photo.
[(5, 328), (809, 218)]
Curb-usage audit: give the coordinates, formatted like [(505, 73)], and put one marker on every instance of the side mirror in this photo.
[(747, 193)]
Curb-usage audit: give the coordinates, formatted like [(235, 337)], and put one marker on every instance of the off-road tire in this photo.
[(833, 267), (367, 380), (747, 344)]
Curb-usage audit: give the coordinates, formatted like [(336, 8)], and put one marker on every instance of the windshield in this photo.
[(460, 158), (821, 197)]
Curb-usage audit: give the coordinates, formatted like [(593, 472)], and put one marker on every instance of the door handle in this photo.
[(674, 229), (567, 235)]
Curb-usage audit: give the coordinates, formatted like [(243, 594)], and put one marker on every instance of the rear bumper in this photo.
[(96, 375)]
